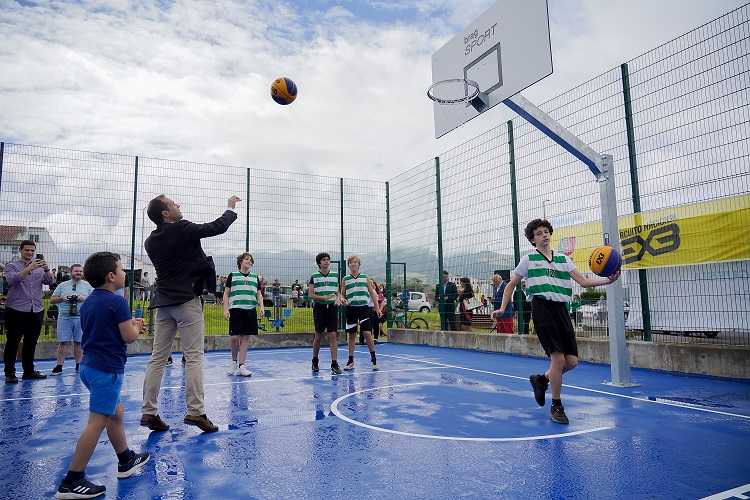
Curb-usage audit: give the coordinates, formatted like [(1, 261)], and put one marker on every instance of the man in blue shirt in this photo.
[(70, 295)]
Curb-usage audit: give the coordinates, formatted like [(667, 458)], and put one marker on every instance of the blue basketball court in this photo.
[(432, 423)]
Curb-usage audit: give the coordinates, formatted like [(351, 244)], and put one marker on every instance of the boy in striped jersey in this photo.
[(548, 285), (241, 303), (356, 287), (323, 291)]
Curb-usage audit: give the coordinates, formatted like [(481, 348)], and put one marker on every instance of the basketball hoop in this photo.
[(454, 91), (456, 96)]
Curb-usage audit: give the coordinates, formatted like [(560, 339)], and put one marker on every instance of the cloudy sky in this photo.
[(189, 79)]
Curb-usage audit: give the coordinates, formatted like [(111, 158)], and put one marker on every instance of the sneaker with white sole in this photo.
[(57, 370), (232, 368), (315, 367), (349, 366), (130, 468), (375, 366), (244, 371), (79, 489), (335, 369)]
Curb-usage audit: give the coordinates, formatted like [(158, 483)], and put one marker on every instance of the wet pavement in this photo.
[(432, 423)]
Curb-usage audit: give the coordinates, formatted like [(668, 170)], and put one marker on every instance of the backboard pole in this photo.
[(602, 168)]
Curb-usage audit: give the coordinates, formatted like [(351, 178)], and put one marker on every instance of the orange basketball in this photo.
[(283, 91), (605, 261)]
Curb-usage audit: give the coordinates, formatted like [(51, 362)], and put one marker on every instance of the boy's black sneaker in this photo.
[(335, 369), (539, 389), (57, 370), (557, 414), (130, 468), (169, 361), (77, 366), (315, 367), (79, 489), (183, 361)]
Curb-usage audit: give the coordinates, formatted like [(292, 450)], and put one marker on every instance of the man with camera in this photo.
[(70, 294)]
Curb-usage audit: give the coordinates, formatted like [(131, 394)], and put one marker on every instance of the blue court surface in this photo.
[(432, 423)]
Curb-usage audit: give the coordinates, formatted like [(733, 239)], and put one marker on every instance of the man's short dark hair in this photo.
[(155, 208), (533, 226), (26, 243), (98, 266), (321, 256), (446, 273), (75, 265)]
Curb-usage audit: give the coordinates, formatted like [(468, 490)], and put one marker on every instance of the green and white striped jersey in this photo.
[(325, 285), (357, 293), (243, 290), (550, 280)]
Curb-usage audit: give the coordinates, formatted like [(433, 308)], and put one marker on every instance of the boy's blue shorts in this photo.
[(104, 387)]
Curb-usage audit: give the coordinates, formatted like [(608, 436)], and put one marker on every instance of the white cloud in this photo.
[(191, 81)]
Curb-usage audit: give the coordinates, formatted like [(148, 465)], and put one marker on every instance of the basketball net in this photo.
[(456, 97)]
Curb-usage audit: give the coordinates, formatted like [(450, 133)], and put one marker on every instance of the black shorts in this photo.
[(358, 316), (553, 327), (325, 317), (243, 321)]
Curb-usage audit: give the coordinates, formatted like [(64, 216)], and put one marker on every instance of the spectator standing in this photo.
[(276, 292), (447, 305), (465, 294), (24, 310), (145, 283), (70, 296), (575, 304), (505, 321), (526, 309), (601, 309), (184, 271)]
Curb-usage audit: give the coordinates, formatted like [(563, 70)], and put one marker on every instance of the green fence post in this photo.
[(438, 208), (388, 308), (247, 213), (132, 236), (635, 193), (516, 240), (342, 265)]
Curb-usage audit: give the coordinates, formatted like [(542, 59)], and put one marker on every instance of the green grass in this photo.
[(299, 321)]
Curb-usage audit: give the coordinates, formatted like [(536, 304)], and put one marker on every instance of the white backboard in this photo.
[(504, 50)]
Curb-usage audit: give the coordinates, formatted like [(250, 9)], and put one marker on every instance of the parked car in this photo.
[(285, 295), (419, 301)]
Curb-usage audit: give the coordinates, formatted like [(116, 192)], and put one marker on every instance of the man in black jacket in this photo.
[(183, 271), (447, 305)]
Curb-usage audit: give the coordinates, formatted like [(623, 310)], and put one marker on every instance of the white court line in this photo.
[(597, 391), (739, 492), (337, 412)]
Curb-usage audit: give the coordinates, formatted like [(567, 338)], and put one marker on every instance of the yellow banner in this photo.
[(704, 232)]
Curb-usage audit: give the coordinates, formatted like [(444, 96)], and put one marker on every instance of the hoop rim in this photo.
[(463, 99)]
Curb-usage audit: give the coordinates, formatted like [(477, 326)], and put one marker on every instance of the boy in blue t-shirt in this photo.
[(107, 328)]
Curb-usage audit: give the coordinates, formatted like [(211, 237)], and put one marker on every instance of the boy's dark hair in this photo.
[(155, 208), (26, 242), (242, 256), (533, 226), (98, 266), (321, 256)]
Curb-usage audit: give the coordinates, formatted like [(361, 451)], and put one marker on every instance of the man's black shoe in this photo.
[(35, 375), (539, 389), (557, 414)]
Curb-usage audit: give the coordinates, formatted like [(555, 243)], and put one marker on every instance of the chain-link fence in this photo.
[(675, 119)]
